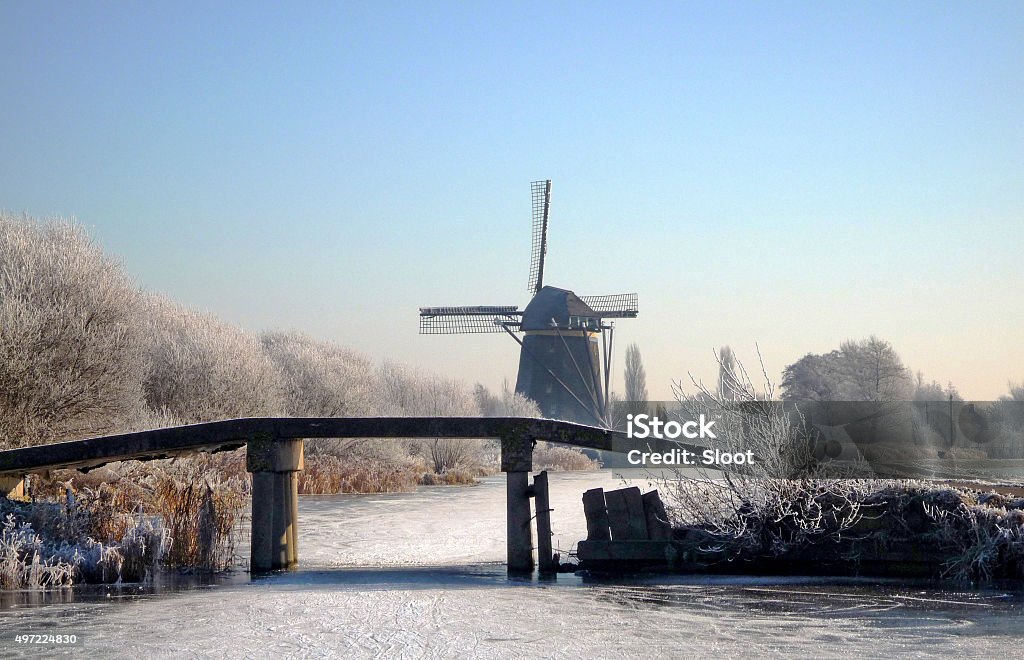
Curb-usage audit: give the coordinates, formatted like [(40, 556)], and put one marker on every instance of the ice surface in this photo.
[(436, 526), (420, 575)]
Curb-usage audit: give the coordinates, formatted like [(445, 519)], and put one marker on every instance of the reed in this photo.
[(201, 512), (330, 474), (561, 459), (123, 524), (22, 562)]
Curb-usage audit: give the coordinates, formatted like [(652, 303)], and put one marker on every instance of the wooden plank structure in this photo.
[(626, 514), (655, 517), (625, 527), (597, 515), (274, 456)]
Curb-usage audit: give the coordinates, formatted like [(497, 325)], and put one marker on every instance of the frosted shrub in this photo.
[(407, 391), (508, 404), (556, 458), (97, 562), (758, 513), (320, 379), (21, 559), (201, 369), (983, 536), (183, 513), (142, 548), (70, 359), (451, 453), (758, 506)]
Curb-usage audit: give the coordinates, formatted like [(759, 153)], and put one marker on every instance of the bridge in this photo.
[(274, 456)]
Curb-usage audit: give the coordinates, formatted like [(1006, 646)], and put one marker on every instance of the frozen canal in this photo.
[(421, 575)]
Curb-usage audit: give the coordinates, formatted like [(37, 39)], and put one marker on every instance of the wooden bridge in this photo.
[(274, 455)]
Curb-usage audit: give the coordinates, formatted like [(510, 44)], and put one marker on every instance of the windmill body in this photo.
[(561, 342), (565, 343)]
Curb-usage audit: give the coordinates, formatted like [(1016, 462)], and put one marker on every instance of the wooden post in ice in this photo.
[(545, 557), (274, 464), (517, 463)]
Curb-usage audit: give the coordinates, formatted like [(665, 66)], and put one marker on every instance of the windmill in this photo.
[(565, 340)]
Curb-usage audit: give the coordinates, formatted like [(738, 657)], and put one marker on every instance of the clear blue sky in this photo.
[(792, 174)]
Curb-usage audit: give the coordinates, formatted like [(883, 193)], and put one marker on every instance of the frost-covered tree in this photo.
[(933, 391), (863, 387), (873, 371), (728, 379), (403, 390), (866, 370), (812, 377), (319, 378), (71, 363), (84, 352), (508, 404), (202, 369), (1011, 408), (635, 375), (407, 391), (636, 396)]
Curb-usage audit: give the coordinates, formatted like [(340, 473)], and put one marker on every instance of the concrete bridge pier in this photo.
[(274, 464), (517, 463)]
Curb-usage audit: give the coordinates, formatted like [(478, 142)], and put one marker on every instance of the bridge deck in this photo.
[(234, 433), (274, 455)]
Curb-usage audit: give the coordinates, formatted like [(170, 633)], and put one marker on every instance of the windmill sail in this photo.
[(615, 306), (540, 193), (468, 320)]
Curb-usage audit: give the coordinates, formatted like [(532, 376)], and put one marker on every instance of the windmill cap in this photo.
[(554, 303)]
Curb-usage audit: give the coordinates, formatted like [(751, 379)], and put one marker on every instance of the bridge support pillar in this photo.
[(274, 464), (517, 463)]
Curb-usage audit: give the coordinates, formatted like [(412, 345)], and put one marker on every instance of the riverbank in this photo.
[(902, 529)]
